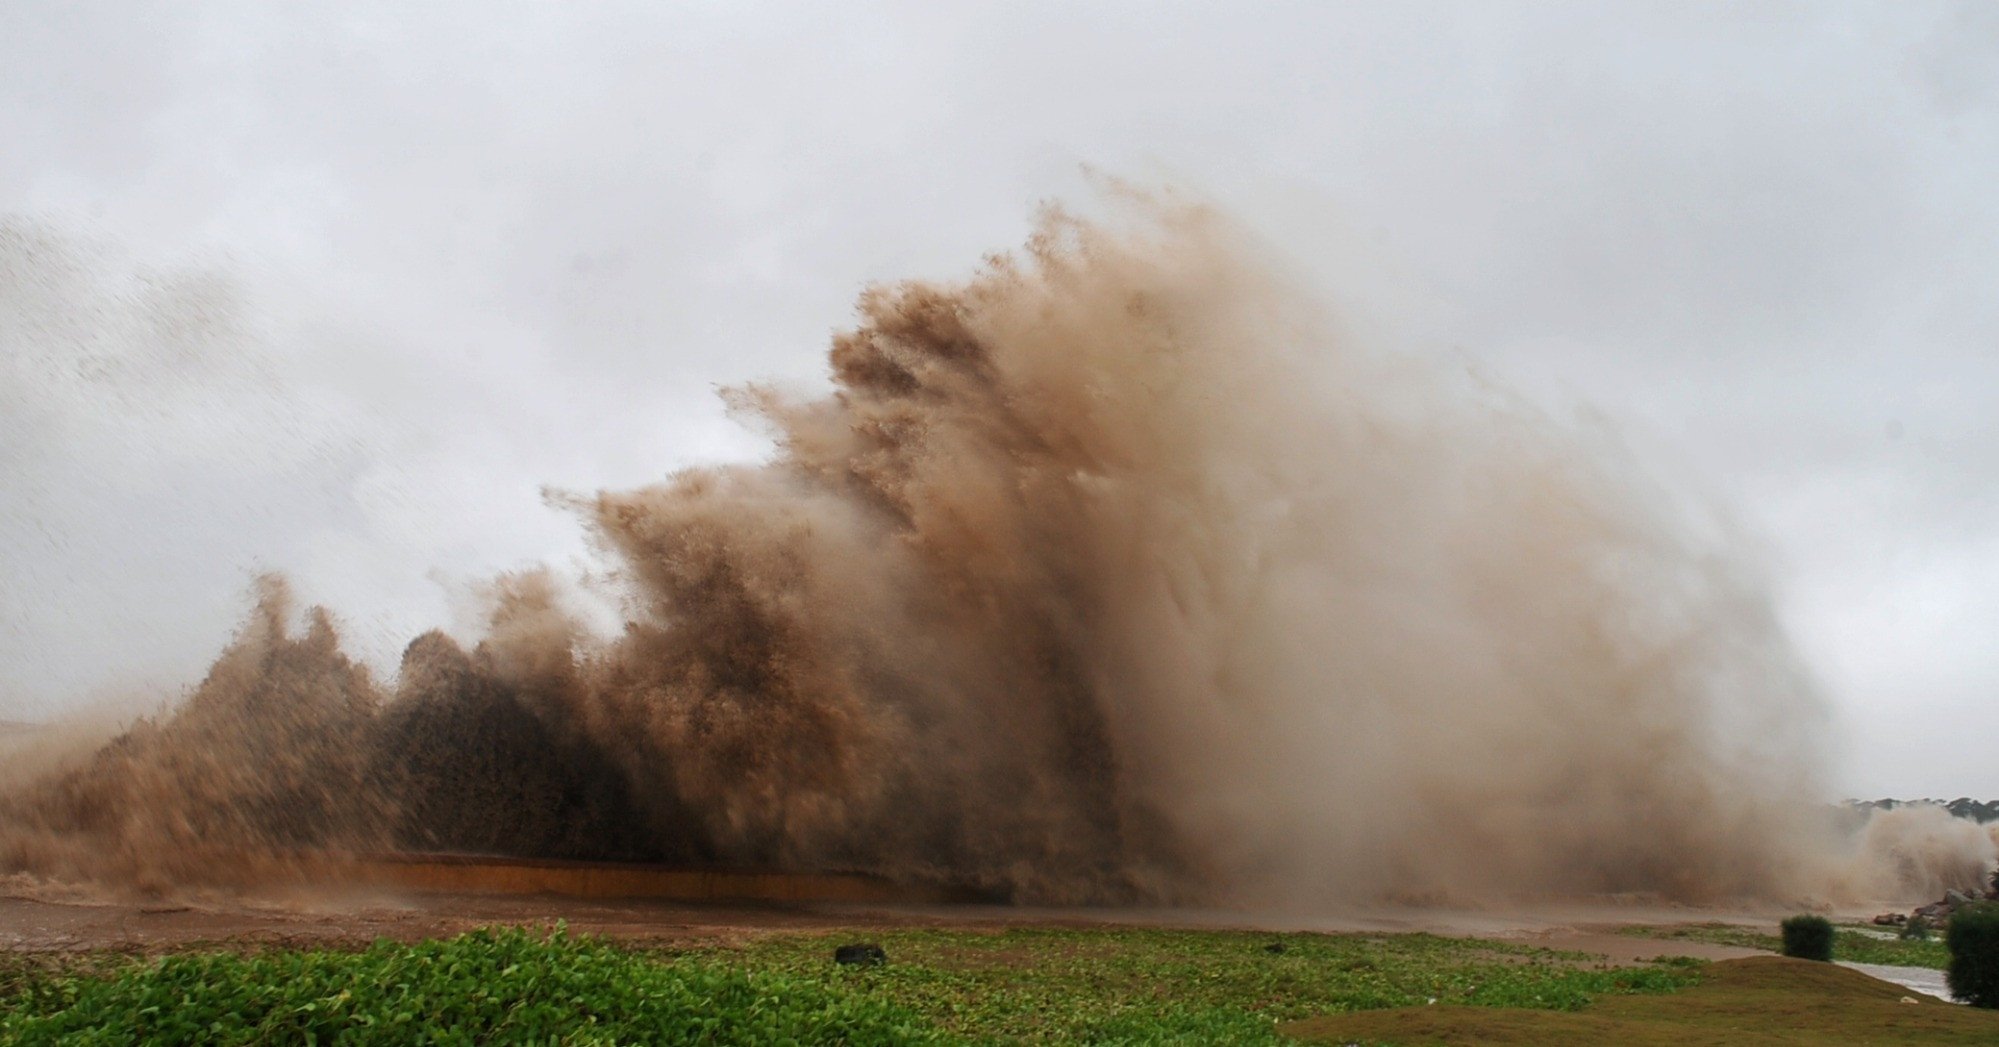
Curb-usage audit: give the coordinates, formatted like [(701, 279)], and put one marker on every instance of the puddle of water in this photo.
[(1921, 979)]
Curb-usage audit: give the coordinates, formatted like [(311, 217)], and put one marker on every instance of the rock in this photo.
[(866, 954), (1891, 919)]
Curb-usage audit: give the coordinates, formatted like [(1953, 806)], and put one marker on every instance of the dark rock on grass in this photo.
[(865, 954)]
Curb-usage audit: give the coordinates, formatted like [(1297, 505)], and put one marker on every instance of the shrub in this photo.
[(1973, 940), (1808, 937), (1916, 930)]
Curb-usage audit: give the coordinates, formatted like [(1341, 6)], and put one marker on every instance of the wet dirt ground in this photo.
[(40, 919)]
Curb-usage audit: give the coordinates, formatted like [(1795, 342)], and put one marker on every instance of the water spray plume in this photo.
[(1116, 573)]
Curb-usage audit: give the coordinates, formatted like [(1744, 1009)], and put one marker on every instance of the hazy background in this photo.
[(337, 293)]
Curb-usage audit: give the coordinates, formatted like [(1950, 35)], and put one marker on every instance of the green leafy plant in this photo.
[(1031, 985), (508, 986), (1145, 985), (1973, 940), (1807, 937)]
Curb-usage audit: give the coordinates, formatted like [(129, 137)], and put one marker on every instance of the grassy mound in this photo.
[(1763, 1000)]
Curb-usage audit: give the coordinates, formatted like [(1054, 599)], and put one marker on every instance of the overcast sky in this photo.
[(338, 292)]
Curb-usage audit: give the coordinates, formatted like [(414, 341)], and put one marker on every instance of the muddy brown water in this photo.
[(427, 899)]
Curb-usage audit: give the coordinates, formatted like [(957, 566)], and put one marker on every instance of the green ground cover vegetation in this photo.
[(1106, 985), (1762, 1001), (1849, 943), (945, 986)]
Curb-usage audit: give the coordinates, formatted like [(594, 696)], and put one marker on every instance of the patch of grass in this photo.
[(509, 986), (1110, 985), (1848, 943), (1198, 986), (1148, 985), (1762, 1001)]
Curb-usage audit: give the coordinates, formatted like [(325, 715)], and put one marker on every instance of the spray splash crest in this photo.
[(1111, 574)]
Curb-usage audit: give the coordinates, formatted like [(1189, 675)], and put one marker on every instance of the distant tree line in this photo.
[(1980, 811)]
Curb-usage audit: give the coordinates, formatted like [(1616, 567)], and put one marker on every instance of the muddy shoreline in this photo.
[(42, 918)]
